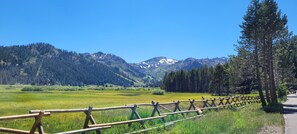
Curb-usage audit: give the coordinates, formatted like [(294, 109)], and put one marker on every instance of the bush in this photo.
[(34, 89), (158, 92), (70, 89), (283, 90)]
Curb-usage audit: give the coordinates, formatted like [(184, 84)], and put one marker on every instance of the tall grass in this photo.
[(248, 120)]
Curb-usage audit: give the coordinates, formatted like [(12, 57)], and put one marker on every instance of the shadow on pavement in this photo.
[(292, 97), (290, 105), (290, 108)]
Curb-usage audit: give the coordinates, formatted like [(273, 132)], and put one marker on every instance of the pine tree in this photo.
[(263, 25)]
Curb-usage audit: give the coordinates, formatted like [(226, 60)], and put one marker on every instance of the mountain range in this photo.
[(43, 64)]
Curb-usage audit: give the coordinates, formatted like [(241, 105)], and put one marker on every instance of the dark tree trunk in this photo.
[(271, 74), (265, 69), (258, 75)]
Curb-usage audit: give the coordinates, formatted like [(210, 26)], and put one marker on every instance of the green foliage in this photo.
[(220, 81), (283, 90), (293, 48), (35, 89), (264, 43), (196, 80), (204, 79), (241, 73), (158, 92)]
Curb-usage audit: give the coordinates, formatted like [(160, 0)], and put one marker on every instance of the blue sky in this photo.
[(136, 30)]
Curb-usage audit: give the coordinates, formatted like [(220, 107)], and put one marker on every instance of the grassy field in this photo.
[(248, 120), (14, 101)]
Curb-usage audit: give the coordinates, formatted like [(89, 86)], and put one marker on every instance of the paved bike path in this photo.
[(290, 114)]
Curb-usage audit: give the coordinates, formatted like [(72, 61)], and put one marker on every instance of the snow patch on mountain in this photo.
[(168, 61), (156, 63)]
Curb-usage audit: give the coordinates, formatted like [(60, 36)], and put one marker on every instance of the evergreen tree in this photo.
[(263, 25)]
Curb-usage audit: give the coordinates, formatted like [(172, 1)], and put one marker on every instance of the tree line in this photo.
[(197, 80), (266, 59), (217, 80)]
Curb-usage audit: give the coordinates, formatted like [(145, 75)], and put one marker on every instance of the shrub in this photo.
[(34, 89), (283, 90), (158, 92), (70, 89), (9, 87)]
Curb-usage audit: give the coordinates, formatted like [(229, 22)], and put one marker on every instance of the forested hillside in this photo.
[(43, 64)]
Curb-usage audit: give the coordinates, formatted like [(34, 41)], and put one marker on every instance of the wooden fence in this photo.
[(36, 125), (173, 108)]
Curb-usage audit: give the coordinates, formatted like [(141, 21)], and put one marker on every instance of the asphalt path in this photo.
[(290, 114)]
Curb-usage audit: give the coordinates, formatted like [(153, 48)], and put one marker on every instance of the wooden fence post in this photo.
[(228, 103), (155, 108), (178, 108), (192, 105), (232, 101), (213, 104), (156, 105), (221, 102), (249, 99), (258, 97), (237, 101), (37, 124), (205, 103), (134, 112), (241, 100), (89, 118)]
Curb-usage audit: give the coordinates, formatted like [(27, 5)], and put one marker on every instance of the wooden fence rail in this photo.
[(172, 108), (36, 125)]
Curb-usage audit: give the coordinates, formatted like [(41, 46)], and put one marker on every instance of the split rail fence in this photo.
[(172, 108)]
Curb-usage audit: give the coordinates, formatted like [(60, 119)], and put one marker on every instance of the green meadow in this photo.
[(15, 101)]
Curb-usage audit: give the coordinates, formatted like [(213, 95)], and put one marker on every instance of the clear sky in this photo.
[(136, 30)]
